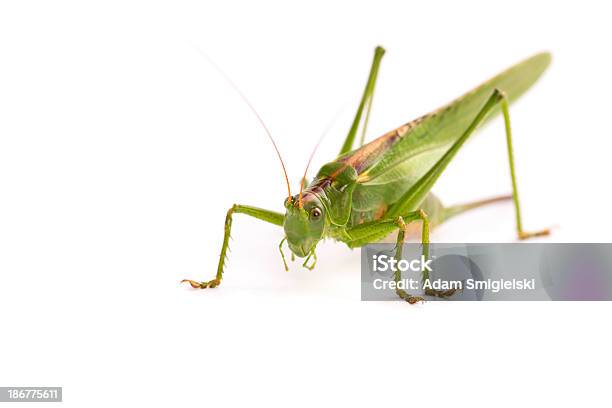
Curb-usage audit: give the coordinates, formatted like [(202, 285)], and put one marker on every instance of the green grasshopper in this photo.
[(365, 194)]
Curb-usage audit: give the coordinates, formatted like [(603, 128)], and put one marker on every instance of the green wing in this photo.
[(422, 142)]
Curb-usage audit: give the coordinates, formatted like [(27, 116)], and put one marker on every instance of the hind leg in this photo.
[(365, 104)]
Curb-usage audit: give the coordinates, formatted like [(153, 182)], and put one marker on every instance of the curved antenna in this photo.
[(325, 132), (306, 171), (244, 98)]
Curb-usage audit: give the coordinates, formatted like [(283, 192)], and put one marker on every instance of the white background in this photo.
[(121, 149)]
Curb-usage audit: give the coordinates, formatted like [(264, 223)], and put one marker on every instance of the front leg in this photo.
[(264, 215)]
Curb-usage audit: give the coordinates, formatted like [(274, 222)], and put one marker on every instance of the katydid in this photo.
[(381, 187)]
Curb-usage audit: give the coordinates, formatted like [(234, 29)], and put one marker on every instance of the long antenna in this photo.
[(306, 171), (252, 108), (325, 132)]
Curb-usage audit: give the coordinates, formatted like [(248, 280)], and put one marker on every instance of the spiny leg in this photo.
[(373, 231), (419, 190), (419, 215), (425, 228), (261, 214), (366, 103), (458, 209), (517, 207), (401, 235)]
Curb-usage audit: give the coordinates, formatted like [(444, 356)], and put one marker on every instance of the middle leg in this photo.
[(374, 231)]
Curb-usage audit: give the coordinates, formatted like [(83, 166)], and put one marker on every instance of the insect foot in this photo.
[(408, 297), (414, 299), (526, 235), (203, 285)]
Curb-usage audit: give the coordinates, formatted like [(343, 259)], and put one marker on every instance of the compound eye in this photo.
[(316, 213)]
